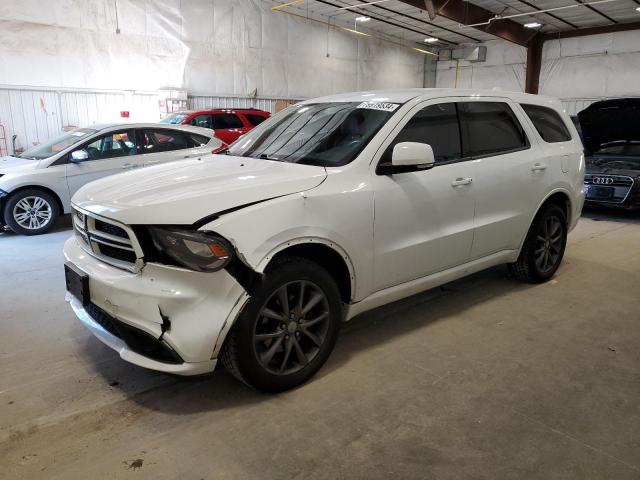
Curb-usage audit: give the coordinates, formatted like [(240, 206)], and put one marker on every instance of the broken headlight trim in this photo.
[(199, 251)]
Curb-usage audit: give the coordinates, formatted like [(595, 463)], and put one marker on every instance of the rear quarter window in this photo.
[(223, 121), (255, 120), (548, 123)]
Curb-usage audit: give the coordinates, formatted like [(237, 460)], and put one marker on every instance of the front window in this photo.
[(112, 145), (57, 144), (174, 118), (324, 134)]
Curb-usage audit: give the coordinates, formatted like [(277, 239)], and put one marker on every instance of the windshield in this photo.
[(57, 144), (324, 134), (174, 118), (620, 148)]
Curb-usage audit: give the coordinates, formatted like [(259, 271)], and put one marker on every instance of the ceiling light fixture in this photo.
[(533, 25), (363, 19), (426, 52), (431, 39), (355, 31), (638, 9)]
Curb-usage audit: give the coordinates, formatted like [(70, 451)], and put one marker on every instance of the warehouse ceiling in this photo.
[(397, 19)]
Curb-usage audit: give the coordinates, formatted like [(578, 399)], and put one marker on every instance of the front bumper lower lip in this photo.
[(186, 368)]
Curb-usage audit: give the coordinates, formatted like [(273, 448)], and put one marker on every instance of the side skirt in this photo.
[(418, 285)]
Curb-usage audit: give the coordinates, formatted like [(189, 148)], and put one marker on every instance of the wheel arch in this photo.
[(51, 192), (324, 252), (559, 197)]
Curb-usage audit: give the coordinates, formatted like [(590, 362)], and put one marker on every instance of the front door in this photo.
[(424, 220), (109, 153)]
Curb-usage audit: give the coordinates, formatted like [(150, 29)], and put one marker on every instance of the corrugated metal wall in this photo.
[(575, 105), (203, 101), (37, 114)]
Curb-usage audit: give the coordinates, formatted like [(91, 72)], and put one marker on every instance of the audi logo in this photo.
[(602, 180)]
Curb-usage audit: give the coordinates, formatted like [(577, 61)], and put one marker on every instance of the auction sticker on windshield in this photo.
[(386, 107)]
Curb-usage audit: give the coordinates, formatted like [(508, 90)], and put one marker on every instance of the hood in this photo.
[(17, 165), (613, 165), (183, 192), (609, 121)]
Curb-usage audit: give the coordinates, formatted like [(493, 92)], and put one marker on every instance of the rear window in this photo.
[(174, 119), (548, 123), (255, 120), (198, 140), (490, 128), (223, 121)]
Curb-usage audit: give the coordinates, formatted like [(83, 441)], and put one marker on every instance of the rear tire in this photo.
[(544, 246), (287, 329), (31, 211)]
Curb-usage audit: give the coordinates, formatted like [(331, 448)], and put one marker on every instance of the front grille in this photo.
[(118, 253), (607, 188), (137, 340), (111, 229), (104, 239)]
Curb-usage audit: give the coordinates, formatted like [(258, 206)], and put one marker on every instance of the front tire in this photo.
[(287, 329), (543, 248), (31, 211)]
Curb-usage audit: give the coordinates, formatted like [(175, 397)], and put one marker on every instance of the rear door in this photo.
[(109, 153), (160, 145), (511, 177)]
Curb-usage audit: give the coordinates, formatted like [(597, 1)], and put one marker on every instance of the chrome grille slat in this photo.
[(118, 241), (103, 242), (117, 250)]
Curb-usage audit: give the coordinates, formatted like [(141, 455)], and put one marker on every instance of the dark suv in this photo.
[(611, 136), (228, 125)]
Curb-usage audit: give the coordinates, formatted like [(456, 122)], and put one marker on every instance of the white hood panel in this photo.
[(17, 165), (186, 191)]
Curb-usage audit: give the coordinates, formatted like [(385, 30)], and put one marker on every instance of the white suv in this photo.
[(330, 208), (36, 186)]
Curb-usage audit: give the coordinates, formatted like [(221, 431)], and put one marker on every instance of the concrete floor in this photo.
[(485, 378)]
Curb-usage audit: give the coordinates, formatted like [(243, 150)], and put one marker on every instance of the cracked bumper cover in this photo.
[(201, 307)]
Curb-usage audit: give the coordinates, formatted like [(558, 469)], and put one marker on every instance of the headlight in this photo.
[(200, 251)]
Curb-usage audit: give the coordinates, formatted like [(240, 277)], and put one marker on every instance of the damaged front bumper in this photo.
[(163, 318)]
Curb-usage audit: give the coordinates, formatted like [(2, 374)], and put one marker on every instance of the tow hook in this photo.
[(165, 326)]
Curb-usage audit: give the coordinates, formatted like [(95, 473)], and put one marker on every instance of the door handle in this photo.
[(538, 167), (458, 182)]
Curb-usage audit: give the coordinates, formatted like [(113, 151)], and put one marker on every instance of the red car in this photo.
[(228, 124)]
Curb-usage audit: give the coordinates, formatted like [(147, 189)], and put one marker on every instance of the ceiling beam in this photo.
[(583, 32), (595, 10), (467, 13), (417, 19), (539, 11), (383, 20)]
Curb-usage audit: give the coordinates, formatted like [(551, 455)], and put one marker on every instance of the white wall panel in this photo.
[(579, 70), (503, 69), (219, 47)]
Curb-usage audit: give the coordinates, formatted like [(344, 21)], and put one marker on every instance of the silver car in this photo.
[(37, 185)]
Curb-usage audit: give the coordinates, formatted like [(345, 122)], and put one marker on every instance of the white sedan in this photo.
[(37, 185)]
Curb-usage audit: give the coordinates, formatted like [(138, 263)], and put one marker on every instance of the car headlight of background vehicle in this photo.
[(199, 251)]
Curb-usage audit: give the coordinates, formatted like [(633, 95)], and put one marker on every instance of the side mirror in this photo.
[(78, 156), (409, 157)]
